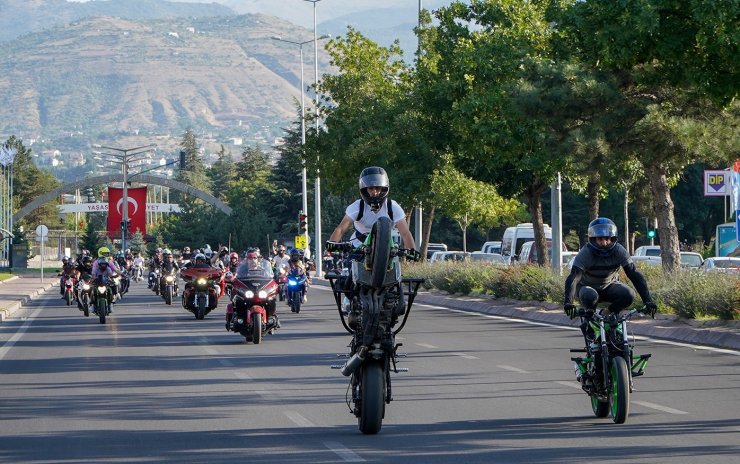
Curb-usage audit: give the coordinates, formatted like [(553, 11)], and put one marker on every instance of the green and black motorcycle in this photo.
[(606, 372)]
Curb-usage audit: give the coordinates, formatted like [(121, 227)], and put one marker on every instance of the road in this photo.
[(157, 385)]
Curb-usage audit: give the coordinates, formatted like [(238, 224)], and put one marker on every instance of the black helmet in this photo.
[(374, 177), (602, 227)]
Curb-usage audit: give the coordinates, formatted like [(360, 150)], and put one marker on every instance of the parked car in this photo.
[(515, 237), (648, 260), (567, 257), (691, 259), (648, 250), (456, 256), (724, 264), (491, 258), (432, 247), (491, 247), (528, 253)]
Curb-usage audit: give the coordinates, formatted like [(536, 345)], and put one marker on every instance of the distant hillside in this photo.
[(18, 17), (116, 76)]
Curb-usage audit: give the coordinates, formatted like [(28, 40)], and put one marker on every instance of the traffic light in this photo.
[(125, 224), (182, 160), (302, 222), (88, 191), (651, 233)]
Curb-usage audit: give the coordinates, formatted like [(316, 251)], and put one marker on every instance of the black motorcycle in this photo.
[(168, 285), (378, 298), (607, 371)]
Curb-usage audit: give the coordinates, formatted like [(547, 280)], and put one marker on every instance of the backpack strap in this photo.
[(362, 210)]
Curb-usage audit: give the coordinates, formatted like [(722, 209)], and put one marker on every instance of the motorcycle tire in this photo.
[(620, 390), (102, 310), (68, 297), (168, 296), (200, 310), (256, 328), (372, 398), (281, 294), (85, 305), (381, 250), (600, 408)]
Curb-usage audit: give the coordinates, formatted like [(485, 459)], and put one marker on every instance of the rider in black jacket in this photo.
[(595, 273)]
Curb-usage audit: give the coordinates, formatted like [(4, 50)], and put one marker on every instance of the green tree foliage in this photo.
[(221, 173), (30, 182), (468, 201), (91, 239)]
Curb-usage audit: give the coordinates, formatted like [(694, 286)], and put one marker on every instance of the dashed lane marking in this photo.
[(659, 407), (513, 369), (466, 356), (298, 419), (343, 452), (427, 345)]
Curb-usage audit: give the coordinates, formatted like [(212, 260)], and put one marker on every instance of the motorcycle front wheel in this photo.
[(620, 390), (85, 305), (381, 250), (200, 311), (372, 397), (600, 408), (68, 297), (168, 296), (256, 328), (102, 309)]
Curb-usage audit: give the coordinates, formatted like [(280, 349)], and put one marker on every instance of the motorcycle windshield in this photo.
[(254, 271)]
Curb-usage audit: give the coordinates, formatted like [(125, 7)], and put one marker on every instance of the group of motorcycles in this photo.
[(96, 296)]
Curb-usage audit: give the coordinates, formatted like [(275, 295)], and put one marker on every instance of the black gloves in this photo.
[(413, 255), (333, 247), (570, 310), (650, 309)]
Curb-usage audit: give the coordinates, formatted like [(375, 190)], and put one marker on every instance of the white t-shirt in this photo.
[(365, 224)]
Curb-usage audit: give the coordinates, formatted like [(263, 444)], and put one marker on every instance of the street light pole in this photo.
[(125, 155), (317, 188), (304, 189)]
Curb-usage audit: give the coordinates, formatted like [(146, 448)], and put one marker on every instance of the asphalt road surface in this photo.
[(156, 385)]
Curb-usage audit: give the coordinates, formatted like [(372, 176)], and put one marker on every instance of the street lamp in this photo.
[(303, 118), (317, 188), (124, 155)]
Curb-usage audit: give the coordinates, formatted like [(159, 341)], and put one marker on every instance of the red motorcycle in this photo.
[(202, 289), (69, 288), (251, 312)]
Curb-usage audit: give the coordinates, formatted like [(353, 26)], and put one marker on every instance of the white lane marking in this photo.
[(567, 383), (17, 336), (343, 452), (243, 376), (466, 356), (659, 407), (298, 419), (513, 369), (427, 345), (226, 363), (210, 351), (562, 327)]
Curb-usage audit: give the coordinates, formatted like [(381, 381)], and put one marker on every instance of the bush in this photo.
[(688, 294)]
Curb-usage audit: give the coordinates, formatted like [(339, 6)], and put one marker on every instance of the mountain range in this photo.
[(76, 72)]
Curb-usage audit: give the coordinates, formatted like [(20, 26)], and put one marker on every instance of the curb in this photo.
[(14, 306), (663, 327)]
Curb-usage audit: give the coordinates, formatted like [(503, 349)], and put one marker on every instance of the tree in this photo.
[(91, 238), (468, 201), (221, 173), (678, 66)]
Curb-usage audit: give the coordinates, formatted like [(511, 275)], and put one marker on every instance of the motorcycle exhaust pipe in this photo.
[(354, 362)]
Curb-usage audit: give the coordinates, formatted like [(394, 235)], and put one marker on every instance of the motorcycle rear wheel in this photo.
[(381, 249), (372, 397), (620, 390), (600, 408), (256, 328)]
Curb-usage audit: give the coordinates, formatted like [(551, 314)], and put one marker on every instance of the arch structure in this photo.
[(110, 178)]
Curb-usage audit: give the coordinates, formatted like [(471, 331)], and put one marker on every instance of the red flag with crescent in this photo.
[(136, 210)]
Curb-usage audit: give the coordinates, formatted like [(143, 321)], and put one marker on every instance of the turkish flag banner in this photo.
[(136, 210)]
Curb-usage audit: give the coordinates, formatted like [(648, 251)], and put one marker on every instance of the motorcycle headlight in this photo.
[(262, 294), (85, 287), (169, 278), (292, 283), (249, 294), (201, 281), (102, 290)]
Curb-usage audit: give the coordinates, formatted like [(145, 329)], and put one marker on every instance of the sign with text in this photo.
[(300, 242), (103, 208), (716, 183)]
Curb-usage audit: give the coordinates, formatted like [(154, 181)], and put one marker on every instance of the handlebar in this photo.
[(622, 316), (346, 247)]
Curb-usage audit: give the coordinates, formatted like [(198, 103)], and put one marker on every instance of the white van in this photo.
[(491, 247), (515, 237)]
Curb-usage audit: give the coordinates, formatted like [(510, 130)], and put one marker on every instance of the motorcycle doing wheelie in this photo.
[(202, 290), (606, 372), (103, 297), (378, 298), (296, 288)]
